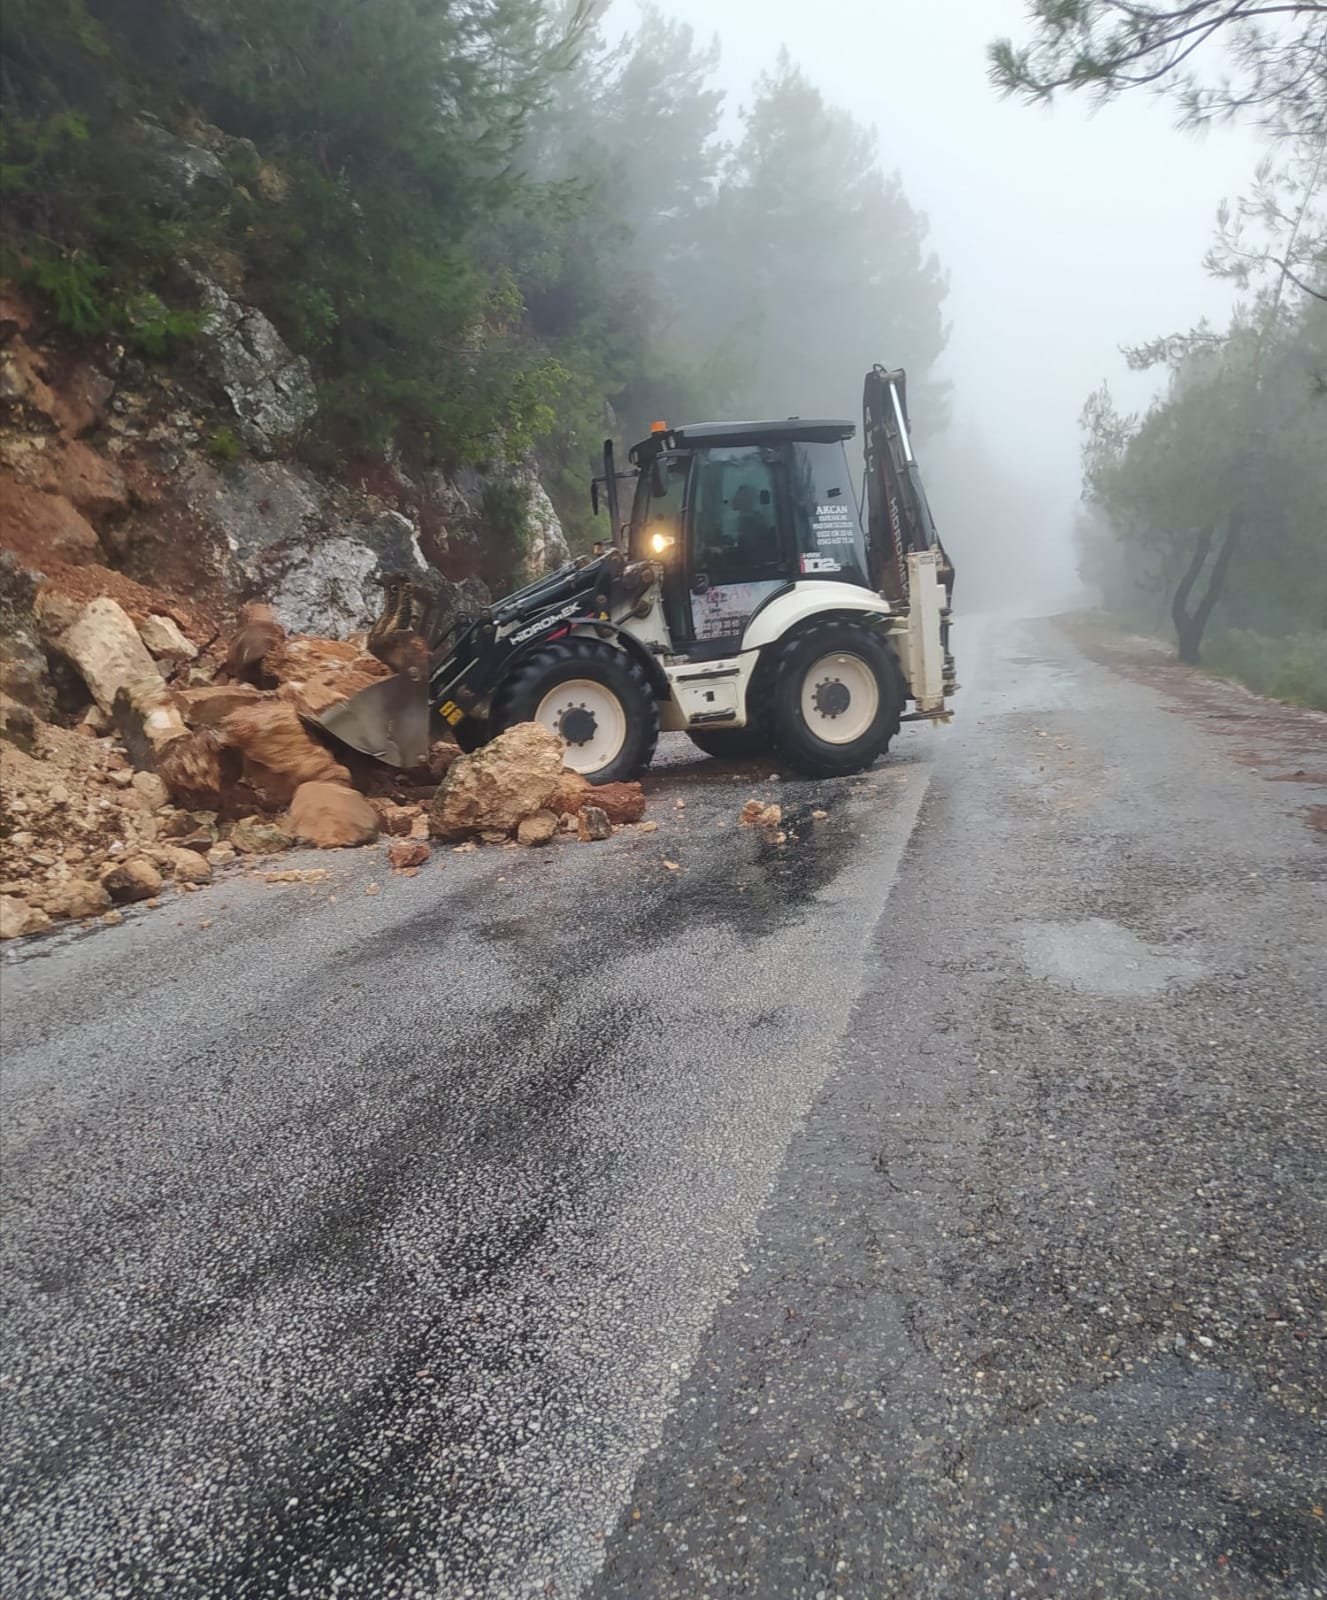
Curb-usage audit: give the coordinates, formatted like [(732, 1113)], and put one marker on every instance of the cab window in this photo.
[(660, 502), (828, 528), (736, 527)]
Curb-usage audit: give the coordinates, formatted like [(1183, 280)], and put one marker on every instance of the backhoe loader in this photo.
[(741, 597)]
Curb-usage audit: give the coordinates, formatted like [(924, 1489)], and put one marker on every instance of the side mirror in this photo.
[(594, 495), (658, 487)]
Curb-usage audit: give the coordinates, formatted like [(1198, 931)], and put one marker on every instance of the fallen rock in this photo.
[(620, 802), (756, 814), (256, 836), (395, 819), (166, 639), (206, 705), (24, 671), (490, 791), (537, 829), (134, 879), (192, 768), (17, 918), (572, 793), (257, 635), (593, 824), (298, 875), (402, 853), (221, 855), (76, 897), (441, 756), (331, 816), (185, 866), (103, 644), (317, 673), (152, 789), (280, 753), (147, 720)]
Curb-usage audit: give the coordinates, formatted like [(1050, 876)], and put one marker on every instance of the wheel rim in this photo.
[(590, 718), (840, 698)]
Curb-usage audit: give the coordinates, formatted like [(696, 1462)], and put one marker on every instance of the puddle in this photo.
[(1102, 958)]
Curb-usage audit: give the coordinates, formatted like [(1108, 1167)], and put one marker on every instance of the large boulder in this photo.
[(166, 639), (271, 390), (17, 918), (331, 816), (147, 719), (206, 705), (492, 790), (18, 725), (279, 752), (76, 897), (103, 644), (172, 175), (132, 879)]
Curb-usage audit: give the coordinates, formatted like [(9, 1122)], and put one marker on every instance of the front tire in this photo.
[(592, 696), (837, 698)]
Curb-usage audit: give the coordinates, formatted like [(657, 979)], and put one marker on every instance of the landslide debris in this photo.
[(171, 748)]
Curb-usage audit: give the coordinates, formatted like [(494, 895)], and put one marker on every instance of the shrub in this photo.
[(1292, 667)]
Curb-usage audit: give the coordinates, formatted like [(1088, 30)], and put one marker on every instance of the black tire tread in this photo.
[(523, 682), (785, 655)]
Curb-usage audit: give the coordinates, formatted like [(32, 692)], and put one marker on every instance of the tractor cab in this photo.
[(734, 513)]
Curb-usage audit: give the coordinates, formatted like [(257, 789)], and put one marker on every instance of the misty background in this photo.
[(1065, 231), (495, 233)]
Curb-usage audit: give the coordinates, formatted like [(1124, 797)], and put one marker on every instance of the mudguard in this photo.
[(805, 600)]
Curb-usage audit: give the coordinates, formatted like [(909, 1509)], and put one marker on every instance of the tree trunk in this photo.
[(1191, 625), (1179, 605)]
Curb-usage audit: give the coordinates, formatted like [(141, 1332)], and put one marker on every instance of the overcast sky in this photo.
[(1065, 231)]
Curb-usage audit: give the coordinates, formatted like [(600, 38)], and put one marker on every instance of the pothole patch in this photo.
[(1102, 958)]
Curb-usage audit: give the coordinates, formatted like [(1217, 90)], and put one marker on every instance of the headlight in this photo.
[(660, 542)]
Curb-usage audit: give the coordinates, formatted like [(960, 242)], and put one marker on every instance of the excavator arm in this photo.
[(909, 565)]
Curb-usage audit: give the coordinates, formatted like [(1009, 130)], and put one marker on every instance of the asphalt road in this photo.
[(934, 1206)]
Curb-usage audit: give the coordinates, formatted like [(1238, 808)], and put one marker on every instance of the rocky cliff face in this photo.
[(185, 478)]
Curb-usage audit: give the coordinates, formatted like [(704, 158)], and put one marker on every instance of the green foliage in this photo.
[(1276, 74), (1216, 497), (223, 445), (490, 232), (69, 280), (1291, 667), (505, 518)]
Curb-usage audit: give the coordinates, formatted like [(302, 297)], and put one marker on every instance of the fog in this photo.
[(1066, 231)]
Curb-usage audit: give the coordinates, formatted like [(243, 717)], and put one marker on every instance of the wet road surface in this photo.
[(934, 1206)]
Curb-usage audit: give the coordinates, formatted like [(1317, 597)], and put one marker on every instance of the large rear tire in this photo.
[(836, 699), (594, 697)]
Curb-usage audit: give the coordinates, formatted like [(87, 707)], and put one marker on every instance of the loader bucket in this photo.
[(388, 720)]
